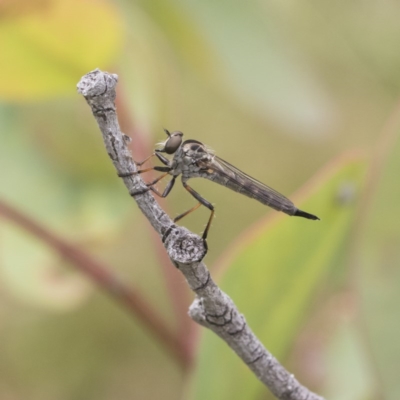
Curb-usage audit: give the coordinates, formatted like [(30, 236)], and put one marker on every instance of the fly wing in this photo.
[(220, 171)]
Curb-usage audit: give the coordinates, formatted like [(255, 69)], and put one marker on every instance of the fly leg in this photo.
[(180, 216), (201, 201), (163, 159), (149, 185), (142, 171), (146, 159), (167, 189)]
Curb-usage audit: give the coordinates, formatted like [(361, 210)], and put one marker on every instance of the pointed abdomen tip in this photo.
[(304, 214)]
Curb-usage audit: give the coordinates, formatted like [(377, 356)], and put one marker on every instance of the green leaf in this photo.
[(349, 374), (35, 275), (273, 275), (46, 49)]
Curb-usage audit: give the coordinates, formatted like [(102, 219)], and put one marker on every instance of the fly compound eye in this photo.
[(173, 142)]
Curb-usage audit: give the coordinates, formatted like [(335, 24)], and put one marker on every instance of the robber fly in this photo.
[(193, 159)]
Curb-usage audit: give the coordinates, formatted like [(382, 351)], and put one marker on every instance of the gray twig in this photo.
[(211, 308)]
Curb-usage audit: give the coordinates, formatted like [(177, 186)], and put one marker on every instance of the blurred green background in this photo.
[(302, 95)]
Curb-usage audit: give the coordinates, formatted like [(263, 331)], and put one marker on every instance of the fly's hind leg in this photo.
[(201, 201), (180, 216)]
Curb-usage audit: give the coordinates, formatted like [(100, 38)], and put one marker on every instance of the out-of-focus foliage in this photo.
[(378, 259), (276, 88), (46, 44)]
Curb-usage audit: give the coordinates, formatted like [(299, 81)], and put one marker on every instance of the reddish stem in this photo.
[(99, 273)]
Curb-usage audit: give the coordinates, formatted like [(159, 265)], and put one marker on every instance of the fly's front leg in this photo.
[(156, 153), (163, 159), (149, 185), (147, 159), (142, 171), (202, 201)]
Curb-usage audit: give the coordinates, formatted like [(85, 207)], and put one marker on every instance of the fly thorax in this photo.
[(187, 160), (177, 163)]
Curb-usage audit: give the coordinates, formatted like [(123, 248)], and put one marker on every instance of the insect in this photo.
[(193, 159)]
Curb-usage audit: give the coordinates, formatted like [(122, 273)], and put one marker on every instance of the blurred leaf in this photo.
[(32, 272), (370, 30), (36, 181), (378, 260), (68, 188), (67, 138), (265, 72), (349, 373), (179, 26), (162, 39), (273, 274), (47, 48)]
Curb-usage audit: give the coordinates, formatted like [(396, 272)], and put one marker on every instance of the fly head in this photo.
[(173, 142)]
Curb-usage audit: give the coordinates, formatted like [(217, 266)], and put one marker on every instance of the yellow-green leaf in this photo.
[(46, 48)]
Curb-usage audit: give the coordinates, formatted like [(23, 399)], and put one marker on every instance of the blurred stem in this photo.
[(177, 292), (131, 298)]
